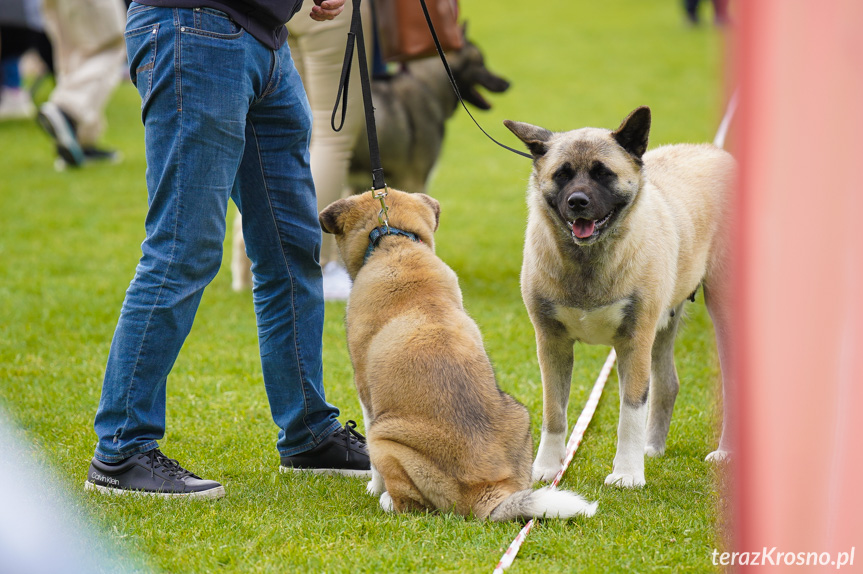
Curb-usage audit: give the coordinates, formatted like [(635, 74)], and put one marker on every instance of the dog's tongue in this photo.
[(583, 228)]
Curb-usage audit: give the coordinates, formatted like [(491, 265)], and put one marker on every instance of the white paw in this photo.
[(387, 502), (376, 485), (544, 473), (718, 456), (549, 457), (622, 480), (653, 452)]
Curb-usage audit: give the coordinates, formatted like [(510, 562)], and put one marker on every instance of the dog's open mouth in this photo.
[(586, 228)]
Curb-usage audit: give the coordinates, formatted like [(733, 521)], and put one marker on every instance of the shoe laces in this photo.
[(352, 437), (172, 467)]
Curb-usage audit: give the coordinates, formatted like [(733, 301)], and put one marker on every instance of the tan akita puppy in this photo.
[(441, 434)]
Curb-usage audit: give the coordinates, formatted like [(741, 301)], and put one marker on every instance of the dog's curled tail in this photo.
[(545, 502)]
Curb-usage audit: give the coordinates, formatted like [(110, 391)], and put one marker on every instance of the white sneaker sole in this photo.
[(217, 492), (339, 471)]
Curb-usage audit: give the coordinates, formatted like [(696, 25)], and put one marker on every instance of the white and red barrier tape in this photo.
[(574, 440), (722, 132)]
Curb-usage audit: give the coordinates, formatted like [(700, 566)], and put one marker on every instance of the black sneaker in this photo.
[(95, 154), (151, 473), (91, 155), (61, 128), (343, 452)]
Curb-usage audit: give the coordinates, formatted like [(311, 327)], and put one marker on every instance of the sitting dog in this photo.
[(441, 434), (411, 109), (617, 240)]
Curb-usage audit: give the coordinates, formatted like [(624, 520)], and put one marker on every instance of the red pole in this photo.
[(798, 345)]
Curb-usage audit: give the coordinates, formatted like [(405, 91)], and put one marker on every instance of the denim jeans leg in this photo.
[(190, 69), (276, 194), (222, 114)]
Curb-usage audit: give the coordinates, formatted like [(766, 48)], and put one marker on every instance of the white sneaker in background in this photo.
[(337, 282), (16, 104)]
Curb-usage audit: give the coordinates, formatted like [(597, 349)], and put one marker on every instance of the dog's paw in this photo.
[(718, 456), (544, 473), (387, 502), (654, 451), (549, 457), (376, 485), (623, 480)]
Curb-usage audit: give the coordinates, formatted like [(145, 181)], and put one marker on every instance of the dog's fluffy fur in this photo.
[(441, 434), (617, 239)]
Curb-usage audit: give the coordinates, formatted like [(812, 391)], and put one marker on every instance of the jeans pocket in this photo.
[(141, 44), (214, 24)]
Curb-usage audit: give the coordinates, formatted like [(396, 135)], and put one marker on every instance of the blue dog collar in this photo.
[(379, 233)]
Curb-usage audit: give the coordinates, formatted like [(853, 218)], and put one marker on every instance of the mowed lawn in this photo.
[(69, 243)]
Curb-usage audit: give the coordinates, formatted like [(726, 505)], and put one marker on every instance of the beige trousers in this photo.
[(318, 50), (89, 50)]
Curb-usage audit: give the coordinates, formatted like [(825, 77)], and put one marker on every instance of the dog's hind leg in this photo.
[(375, 486), (401, 493), (241, 267), (555, 364), (717, 297), (394, 461), (663, 385)]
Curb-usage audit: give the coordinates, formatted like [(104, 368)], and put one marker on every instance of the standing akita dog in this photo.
[(617, 240), (441, 434)]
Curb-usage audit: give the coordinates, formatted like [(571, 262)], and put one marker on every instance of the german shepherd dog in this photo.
[(441, 434), (617, 240), (411, 110)]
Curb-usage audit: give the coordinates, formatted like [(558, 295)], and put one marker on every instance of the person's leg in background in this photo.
[(318, 49), (15, 101), (690, 7), (87, 38), (21, 30), (720, 10)]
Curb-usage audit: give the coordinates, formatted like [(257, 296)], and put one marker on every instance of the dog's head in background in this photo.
[(470, 72)]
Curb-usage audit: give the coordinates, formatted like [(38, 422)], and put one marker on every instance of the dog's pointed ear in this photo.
[(329, 217), (534, 137), (433, 203), (633, 132)]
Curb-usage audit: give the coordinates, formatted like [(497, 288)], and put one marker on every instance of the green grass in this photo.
[(69, 243)]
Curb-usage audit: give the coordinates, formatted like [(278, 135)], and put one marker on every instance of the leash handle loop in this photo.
[(455, 87), (344, 82)]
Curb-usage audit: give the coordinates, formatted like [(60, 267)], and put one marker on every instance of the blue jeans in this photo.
[(224, 116)]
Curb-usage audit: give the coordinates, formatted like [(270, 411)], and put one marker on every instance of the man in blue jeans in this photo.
[(225, 116)]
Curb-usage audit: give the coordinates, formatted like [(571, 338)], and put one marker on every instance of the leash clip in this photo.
[(381, 194)]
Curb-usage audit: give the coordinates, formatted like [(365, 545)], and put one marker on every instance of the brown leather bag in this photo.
[(403, 31)]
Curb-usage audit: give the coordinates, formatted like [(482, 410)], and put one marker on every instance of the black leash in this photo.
[(355, 37), (455, 87)]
